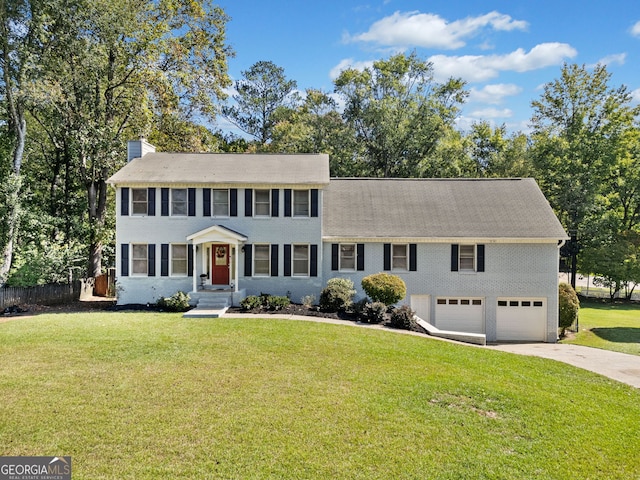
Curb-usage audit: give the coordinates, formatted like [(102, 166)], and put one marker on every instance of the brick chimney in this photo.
[(138, 148)]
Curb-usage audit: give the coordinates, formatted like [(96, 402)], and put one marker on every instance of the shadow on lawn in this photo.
[(618, 334)]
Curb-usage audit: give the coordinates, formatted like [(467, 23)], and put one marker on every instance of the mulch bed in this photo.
[(295, 309)]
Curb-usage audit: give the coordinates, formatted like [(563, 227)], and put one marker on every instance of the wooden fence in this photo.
[(42, 294)]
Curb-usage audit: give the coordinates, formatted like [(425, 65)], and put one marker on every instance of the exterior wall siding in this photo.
[(511, 270)]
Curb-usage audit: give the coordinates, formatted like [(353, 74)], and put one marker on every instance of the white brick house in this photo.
[(477, 255)]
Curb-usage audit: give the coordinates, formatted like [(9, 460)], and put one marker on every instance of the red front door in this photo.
[(220, 267)]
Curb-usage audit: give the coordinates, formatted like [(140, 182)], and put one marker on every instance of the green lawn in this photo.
[(609, 326), (144, 395)]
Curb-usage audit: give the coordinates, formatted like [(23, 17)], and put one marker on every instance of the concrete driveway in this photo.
[(618, 366)]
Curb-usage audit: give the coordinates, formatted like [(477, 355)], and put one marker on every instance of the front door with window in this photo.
[(220, 267)]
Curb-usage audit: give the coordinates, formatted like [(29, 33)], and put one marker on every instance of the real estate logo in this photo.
[(35, 468)]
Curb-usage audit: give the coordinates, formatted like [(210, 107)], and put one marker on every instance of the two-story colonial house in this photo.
[(477, 255)]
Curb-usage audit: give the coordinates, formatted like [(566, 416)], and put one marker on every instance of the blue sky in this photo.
[(505, 50)]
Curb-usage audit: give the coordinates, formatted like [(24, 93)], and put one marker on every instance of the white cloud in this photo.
[(635, 95), (613, 59), (478, 68), (493, 94), (635, 30), (491, 113), (428, 30), (346, 64)]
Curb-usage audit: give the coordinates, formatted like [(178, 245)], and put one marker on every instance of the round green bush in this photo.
[(403, 317), (374, 312), (384, 287), (178, 302), (337, 295), (569, 306)]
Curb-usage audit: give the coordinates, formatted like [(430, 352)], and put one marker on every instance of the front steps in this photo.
[(209, 305)]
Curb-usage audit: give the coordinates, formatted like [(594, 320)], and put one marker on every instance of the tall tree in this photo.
[(263, 89), (398, 113), (577, 123), (115, 65), (22, 23)]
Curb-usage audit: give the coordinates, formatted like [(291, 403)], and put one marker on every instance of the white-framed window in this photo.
[(220, 202), (139, 259), (301, 203), (467, 258), (347, 257), (301, 260), (262, 260), (399, 257), (262, 203), (179, 202), (179, 259), (139, 201)]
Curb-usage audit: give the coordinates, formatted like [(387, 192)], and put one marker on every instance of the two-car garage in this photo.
[(517, 319)]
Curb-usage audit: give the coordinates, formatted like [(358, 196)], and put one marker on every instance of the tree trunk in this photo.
[(97, 203)]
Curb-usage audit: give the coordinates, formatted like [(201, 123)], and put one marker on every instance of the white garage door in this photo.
[(460, 314), (521, 319), (420, 305)]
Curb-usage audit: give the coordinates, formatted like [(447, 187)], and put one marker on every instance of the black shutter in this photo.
[(480, 252), (192, 202), (206, 202), (313, 261), (287, 202), (335, 256), (248, 202), (164, 260), (124, 201), (314, 202), (151, 201), (248, 259), (124, 259), (287, 260), (233, 199), (387, 257), (274, 260), (164, 202), (360, 257), (189, 260), (454, 257), (413, 261), (151, 260), (275, 206)]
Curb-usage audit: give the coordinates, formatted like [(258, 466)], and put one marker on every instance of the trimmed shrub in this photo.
[(374, 312), (251, 302), (308, 300), (569, 306), (275, 302), (358, 307), (384, 287), (403, 317), (178, 302), (337, 295)]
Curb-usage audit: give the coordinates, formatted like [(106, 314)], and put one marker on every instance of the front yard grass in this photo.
[(151, 395), (610, 326)]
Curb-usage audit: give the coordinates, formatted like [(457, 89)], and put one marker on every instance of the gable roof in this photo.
[(225, 168), (438, 209)]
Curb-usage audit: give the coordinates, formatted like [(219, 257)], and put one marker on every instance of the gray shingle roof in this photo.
[(438, 209), (225, 168)]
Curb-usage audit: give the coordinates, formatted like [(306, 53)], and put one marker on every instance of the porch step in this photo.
[(207, 307)]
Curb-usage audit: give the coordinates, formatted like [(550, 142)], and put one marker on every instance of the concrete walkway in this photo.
[(617, 366)]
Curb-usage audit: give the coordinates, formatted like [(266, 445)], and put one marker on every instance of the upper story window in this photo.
[(220, 202), (301, 260), (139, 201), (301, 203), (399, 257), (139, 259), (179, 202), (262, 203), (347, 256), (467, 258)]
